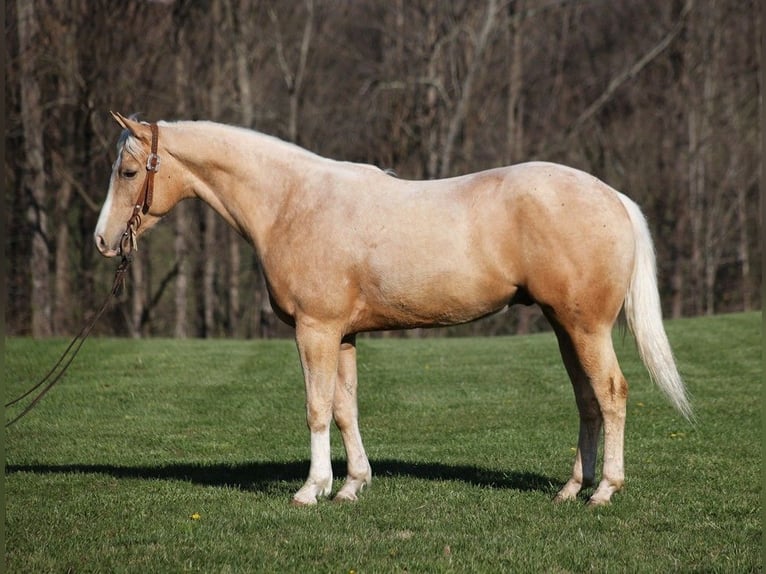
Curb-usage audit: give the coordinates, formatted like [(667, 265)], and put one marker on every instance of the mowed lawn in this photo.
[(182, 456)]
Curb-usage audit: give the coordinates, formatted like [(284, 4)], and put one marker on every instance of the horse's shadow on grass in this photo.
[(286, 476)]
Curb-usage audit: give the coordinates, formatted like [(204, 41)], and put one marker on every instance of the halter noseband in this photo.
[(128, 242)]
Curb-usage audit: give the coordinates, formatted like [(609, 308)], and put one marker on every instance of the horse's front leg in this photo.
[(346, 414), (319, 350)]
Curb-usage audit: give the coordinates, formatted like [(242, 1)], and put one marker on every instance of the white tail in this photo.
[(644, 315)]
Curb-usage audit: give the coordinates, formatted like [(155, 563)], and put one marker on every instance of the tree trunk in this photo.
[(209, 269), (182, 210), (209, 258), (63, 161), (431, 112), (238, 22), (181, 248), (137, 292), (708, 199), (696, 125), (743, 244), (514, 118), (677, 278), (297, 92), (63, 308), (34, 180), (294, 78), (696, 190)]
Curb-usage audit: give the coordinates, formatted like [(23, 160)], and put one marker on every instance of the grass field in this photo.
[(182, 456)]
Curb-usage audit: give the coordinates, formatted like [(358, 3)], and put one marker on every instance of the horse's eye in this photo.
[(129, 173)]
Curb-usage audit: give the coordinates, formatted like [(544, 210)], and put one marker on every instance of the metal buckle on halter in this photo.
[(129, 238), (153, 162), (126, 240)]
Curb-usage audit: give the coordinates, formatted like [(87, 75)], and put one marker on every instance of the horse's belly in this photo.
[(431, 300)]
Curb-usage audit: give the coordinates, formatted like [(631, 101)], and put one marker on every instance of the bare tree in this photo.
[(479, 43), (63, 159), (34, 177), (183, 210), (515, 114), (294, 74)]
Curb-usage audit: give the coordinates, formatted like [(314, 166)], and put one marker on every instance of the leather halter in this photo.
[(128, 242)]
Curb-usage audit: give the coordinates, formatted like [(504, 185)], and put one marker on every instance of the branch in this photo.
[(158, 294), (372, 87), (305, 44), (627, 74), (71, 180), (289, 78), (456, 123)]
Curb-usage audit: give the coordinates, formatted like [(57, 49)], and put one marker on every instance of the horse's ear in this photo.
[(120, 119), (136, 129)]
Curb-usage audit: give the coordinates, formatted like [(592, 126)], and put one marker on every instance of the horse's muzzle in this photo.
[(103, 248)]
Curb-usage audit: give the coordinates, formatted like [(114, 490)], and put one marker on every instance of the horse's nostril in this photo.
[(100, 243)]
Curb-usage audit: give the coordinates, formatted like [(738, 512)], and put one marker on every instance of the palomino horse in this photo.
[(346, 249)]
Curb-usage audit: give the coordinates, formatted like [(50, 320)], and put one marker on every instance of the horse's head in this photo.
[(125, 200)]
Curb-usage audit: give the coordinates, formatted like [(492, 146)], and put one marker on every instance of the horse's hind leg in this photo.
[(346, 414), (601, 395), (584, 471)]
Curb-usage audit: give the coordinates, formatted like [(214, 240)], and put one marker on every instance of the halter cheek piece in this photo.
[(128, 242)]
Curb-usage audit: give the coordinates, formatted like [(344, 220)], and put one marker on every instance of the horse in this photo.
[(347, 248)]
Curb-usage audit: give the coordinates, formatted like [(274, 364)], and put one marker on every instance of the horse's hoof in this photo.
[(342, 497), (303, 501), (301, 504)]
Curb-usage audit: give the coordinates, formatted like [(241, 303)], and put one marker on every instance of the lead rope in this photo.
[(58, 369), (127, 246)]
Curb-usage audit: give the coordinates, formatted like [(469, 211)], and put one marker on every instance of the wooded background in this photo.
[(659, 98)]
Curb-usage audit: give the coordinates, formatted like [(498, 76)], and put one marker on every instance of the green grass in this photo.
[(469, 439)]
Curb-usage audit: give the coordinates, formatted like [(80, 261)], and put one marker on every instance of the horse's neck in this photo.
[(243, 175)]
